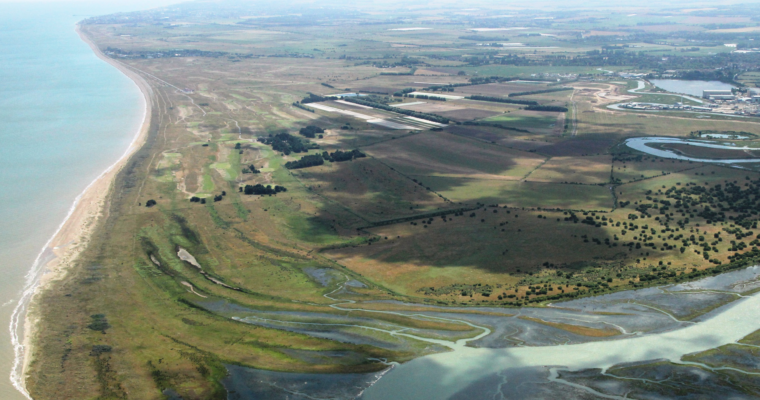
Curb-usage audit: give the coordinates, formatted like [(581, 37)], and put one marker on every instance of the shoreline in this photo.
[(72, 235)]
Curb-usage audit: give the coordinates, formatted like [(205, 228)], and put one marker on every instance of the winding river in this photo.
[(640, 144)]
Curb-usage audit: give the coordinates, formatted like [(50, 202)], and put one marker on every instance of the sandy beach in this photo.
[(72, 236)]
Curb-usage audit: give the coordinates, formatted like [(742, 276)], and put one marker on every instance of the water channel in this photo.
[(508, 360)]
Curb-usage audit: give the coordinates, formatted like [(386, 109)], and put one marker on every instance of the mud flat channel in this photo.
[(694, 338)]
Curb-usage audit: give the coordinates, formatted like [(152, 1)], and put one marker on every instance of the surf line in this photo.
[(32, 278)]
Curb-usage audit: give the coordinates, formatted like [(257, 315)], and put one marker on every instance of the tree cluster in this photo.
[(559, 89), (305, 162), (340, 156), (251, 169), (319, 159), (547, 108), (297, 105), (313, 98), (495, 125), (311, 131), (503, 100), (261, 190), (402, 92), (286, 143), (427, 97)]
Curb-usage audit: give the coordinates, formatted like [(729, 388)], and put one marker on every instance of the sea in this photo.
[(65, 116)]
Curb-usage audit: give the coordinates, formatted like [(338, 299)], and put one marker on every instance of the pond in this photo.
[(693, 88)]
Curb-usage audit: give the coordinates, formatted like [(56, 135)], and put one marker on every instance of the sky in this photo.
[(126, 5), (85, 8)]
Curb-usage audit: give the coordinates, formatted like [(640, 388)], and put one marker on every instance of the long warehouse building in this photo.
[(718, 94)]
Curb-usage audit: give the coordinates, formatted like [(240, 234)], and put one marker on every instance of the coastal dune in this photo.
[(72, 236)]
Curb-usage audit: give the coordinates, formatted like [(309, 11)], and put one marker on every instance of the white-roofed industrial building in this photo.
[(718, 94)]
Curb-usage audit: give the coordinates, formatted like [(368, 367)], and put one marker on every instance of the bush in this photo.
[(99, 349), (150, 203), (99, 323)]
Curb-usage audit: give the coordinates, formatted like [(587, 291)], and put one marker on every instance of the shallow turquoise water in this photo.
[(65, 116)]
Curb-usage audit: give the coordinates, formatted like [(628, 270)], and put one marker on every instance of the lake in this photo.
[(693, 88)]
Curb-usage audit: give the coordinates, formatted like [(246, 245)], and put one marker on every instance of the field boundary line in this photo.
[(493, 143), (525, 178), (419, 216)]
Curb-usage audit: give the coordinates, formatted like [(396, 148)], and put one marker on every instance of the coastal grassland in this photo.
[(529, 141), (523, 193), (501, 89), (534, 121), (461, 216), (664, 99), (629, 169), (370, 188), (587, 170), (131, 285), (485, 248), (443, 154), (525, 71), (440, 253), (558, 98)]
